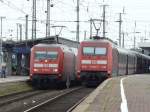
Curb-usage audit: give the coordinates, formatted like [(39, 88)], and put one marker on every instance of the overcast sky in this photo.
[(65, 10)]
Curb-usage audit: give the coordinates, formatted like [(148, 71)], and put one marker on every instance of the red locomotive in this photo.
[(51, 63), (99, 59)]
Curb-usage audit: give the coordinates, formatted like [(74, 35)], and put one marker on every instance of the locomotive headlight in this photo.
[(55, 70), (78, 71), (35, 70)]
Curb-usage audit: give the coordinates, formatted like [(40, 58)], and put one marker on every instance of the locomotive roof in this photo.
[(103, 40), (50, 45), (63, 47), (125, 51)]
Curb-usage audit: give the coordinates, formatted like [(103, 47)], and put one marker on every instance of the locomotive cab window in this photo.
[(94, 50), (52, 55), (100, 51), (40, 55), (88, 50)]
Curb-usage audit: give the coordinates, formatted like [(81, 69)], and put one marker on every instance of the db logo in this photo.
[(94, 61)]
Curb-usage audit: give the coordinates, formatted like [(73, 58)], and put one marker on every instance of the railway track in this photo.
[(64, 102), (5, 100), (24, 101)]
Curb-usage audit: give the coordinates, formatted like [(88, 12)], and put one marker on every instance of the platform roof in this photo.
[(144, 45)]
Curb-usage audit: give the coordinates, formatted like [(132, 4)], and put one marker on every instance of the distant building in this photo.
[(145, 46)]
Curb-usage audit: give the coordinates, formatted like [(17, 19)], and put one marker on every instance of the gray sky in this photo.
[(65, 10)]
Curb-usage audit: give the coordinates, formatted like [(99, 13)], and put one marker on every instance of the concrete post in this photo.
[(8, 55), (19, 58), (27, 64)]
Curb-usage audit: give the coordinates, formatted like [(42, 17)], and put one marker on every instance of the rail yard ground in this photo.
[(35, 100), (14, 87), (14, 84), (19, 96), (130, 93)]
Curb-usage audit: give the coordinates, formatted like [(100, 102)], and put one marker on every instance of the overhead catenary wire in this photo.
[(84, 6), (12, 6)]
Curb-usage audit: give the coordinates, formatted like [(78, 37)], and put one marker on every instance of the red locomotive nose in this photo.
[(52, 63), (93, 62)]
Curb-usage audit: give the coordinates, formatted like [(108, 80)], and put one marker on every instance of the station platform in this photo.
[(120, 94), (14, 79)]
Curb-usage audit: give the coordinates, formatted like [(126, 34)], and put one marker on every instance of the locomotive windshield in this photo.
[(46, 55), (94, 50), (88, 50), (40, 55), (52, 55), (100, 51)]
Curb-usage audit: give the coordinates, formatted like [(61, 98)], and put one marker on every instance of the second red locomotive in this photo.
[(99, 59)]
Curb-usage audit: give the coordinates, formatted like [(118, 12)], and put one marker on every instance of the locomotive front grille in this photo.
[(93, 75)]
